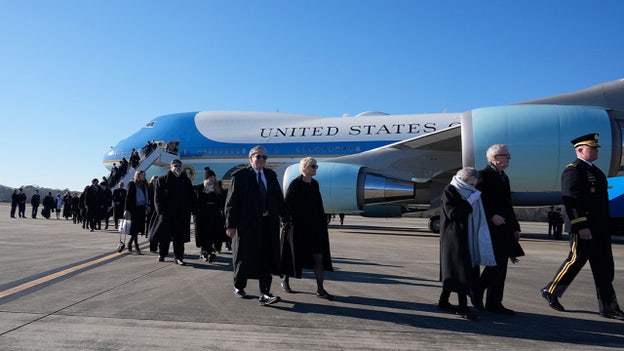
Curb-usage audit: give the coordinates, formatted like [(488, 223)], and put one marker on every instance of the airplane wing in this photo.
[(448, 139), (420, 159)]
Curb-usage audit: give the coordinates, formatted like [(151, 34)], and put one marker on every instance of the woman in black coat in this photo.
[(209, 219), (307, 245), (135, 209), (463, 240)]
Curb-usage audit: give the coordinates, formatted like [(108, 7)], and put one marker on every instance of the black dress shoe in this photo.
[(553, 300), (446, 306), (476, 298), (324, 295), (500, 310), (614, 314), (466, 313), (286, 287)]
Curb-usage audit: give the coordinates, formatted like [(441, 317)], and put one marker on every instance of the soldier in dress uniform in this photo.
[(584, 194)]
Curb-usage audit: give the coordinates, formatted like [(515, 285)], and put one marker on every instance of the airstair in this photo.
[(160, 157)]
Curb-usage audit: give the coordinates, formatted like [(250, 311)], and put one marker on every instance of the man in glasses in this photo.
[(173, 202), (584, 194), (504, 231), (253, 208)]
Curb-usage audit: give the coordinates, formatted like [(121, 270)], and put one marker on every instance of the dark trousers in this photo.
[(174, 226), (598, 252), (178, 248), (134, 238), (493, 279), (93, 216), (34, 211), (264, 278)]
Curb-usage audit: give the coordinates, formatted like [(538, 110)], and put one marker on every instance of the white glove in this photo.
[(474, 197)]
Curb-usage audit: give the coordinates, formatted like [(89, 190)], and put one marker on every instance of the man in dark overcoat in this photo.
[(106, 203), (173, 202), (253, 208), (584, 194), (504, 231), (35, 200), (92, 203), (119, 199), (21, 203)]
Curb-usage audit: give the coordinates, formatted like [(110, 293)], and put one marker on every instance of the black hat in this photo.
[(208, 173), (590, 140)]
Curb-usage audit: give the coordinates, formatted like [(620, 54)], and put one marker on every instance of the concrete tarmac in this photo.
[(65, 288)]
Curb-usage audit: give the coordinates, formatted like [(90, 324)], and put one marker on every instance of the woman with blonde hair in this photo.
[(308, 246)]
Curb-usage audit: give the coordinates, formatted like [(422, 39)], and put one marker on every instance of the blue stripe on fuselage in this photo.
[(195, 145)]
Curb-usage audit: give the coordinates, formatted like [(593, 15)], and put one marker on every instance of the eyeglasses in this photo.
[(313, 166), (504, 155), (263, 157)]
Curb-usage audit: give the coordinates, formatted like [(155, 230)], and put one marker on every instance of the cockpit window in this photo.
[(150, 124)]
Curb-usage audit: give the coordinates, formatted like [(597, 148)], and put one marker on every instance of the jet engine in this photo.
[(348, 188), (538, 137)]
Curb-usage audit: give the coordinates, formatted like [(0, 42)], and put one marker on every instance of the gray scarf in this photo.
[(479, 240)]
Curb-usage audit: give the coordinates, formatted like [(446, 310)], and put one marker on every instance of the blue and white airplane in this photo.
[(379, 164)]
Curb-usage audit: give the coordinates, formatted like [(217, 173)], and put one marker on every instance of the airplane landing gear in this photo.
[(434, 224)]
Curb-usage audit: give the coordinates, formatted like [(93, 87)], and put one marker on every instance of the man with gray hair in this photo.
[(504, 231), (253, 208)]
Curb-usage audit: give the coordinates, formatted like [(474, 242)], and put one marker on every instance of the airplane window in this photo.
[(150, 124)]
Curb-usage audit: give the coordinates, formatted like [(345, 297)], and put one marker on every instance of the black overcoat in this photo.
[(243, 210), (137, 213), (496, 197), (455, 262), (309, 233), (209, 220), (169, 210)]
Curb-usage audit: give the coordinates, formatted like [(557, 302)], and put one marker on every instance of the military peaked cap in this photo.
[(590, 140)]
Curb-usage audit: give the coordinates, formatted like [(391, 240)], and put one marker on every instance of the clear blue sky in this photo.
[(78, 76)]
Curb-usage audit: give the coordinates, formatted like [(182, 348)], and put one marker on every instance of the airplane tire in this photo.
[(434, 224)]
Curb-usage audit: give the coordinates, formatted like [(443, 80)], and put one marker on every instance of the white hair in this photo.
[(467, 173), (493, 150)]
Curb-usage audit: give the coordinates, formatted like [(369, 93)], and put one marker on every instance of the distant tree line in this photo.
[(29, 190)]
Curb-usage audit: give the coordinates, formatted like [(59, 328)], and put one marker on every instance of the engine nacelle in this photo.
[(347, 188), (538, 137)]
